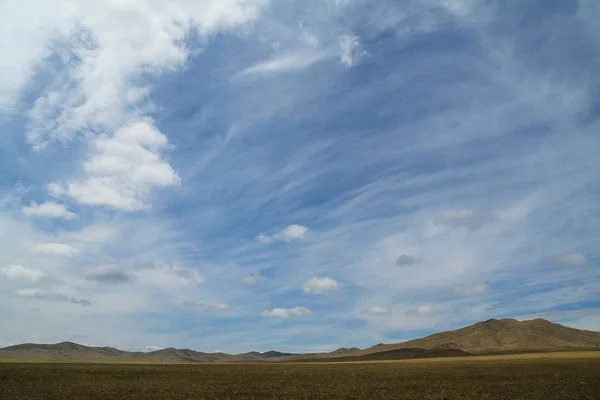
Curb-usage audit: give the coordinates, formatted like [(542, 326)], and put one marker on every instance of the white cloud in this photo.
[(55, 249), (377, 311), (292, 232), (468, 290), (113, 44), (49, 209), (286, 312), (318, 285), (19, 272), (573, 259), (123, 169), (351, 51), (423, 311), (284, 63), (47, 21)]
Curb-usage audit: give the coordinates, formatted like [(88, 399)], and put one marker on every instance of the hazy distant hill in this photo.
[(491, 336), (68, 351)]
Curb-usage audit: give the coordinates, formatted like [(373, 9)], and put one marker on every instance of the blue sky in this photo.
[(295, 175)]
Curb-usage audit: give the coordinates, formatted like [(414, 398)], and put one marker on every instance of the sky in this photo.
[(238, 175)]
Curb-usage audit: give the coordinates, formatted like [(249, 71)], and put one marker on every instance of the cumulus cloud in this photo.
[(291, 232), (405, 260), (470, 219), (21, 273), (48, 209), (216, 308), (318, 285), (40, 294), (286, 312), (123, 169), (469, 290), (377, 311), (423, 311), (572, 259), (55, 249), (111, 274), (114, 44), (351, 51)]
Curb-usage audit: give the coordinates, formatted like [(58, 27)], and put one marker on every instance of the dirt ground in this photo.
[(533, 376)]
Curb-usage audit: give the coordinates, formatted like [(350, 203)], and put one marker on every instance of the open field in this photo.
[(540, 376)]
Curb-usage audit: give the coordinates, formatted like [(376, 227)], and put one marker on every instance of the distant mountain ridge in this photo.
[(486, 337), (72, 351), (501, 336)]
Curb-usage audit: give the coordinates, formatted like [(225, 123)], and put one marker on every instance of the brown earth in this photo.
[(548, 376)]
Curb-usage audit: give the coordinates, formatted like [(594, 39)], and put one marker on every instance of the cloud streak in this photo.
[(39, 294), (49, 209), (287, 312)]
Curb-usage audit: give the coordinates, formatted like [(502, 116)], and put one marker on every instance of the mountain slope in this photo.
[(504, 335), (491, 336), (397, 354)]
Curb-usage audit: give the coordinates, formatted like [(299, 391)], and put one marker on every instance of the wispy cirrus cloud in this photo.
[(467, 290), (284, 63), (572, 259), (351, 50), (55, 249), (39, 294), (217, 308)]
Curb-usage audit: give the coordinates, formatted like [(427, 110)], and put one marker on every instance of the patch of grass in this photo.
[(547, 378)]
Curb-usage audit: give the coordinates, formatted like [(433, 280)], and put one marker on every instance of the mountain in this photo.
[(63, 350), (501, 336), (488, 337), (68, 351), (345, 350)]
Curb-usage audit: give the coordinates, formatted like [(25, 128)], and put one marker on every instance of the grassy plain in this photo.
[(533, 376)]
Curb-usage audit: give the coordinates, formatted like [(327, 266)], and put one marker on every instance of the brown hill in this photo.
[(487, 337), (502, 336), (68, 351)]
